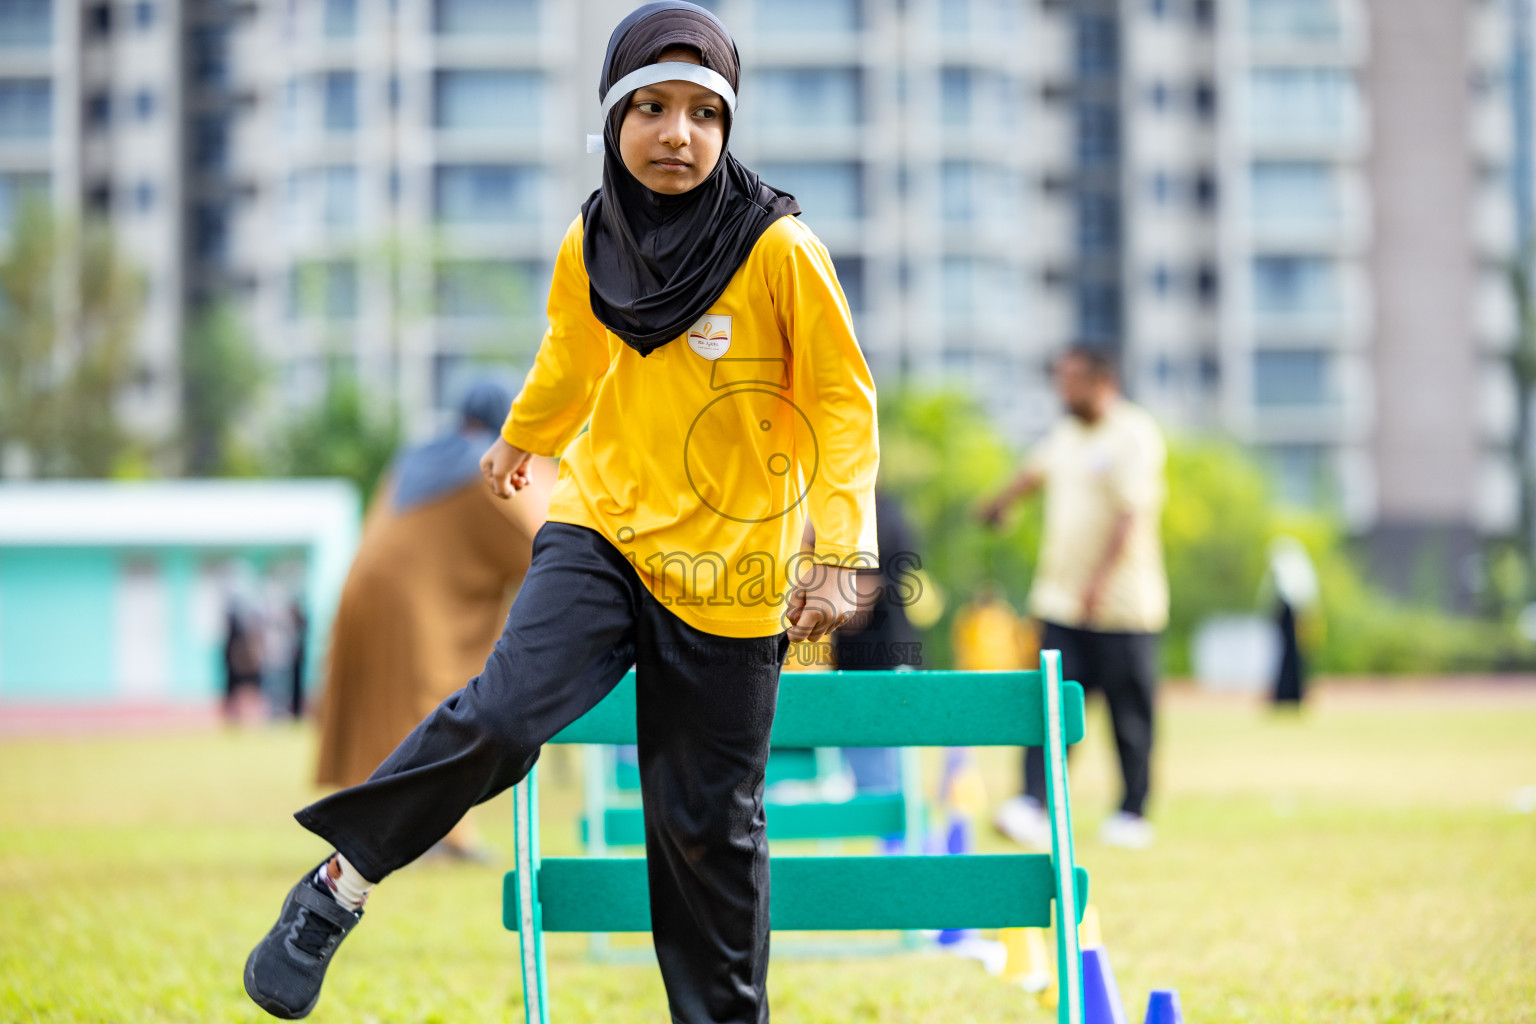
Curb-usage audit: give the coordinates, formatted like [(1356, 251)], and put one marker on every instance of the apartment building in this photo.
[(416, 162), (1445, 409), (90, 110), (1292, 218)]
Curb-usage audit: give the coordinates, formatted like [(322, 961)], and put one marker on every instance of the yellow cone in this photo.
[(1088, 937), (1029, 966)]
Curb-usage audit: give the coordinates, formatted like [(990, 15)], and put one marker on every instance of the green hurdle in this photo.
[(843, 709)]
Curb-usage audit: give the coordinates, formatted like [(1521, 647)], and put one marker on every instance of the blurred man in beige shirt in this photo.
[(1100, 591)]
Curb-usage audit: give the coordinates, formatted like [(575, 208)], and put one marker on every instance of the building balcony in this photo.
[(809, 49), (1308, 208), (1306, 31), (1326, 235), (1495, 318), (1346, 139)]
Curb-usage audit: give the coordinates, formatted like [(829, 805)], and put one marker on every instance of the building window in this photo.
[(26, 108), (293, 203), (1203, 13), (1158, 96), (327, 289), (144, 104), (210, 55), (1285, 286), (1294, 20), (1203, 96), (1291, 379), (339, 101), (486, 193), (144, 14), (98, 198), (1098, 50), (1302, 104), (1293, 193), (210, 233), (970, 287), (958, 285), (210, 143), (809, 98), (98, 110), (850, 276), (957, 191), (830, 192), (957, 96), (1098, 223), (1210, 370), (1098, 312), (1098, 129), (1160, 187), (504, 102), (144, 196), (484, 17), (339, 20), (292, 106), (955, 15), (1207, 284), (18, 190), (98, 20), (338, 195), (808, 16), (26, 24), (489, 289), (1160, 280), (1205, 190), (1157, 8)]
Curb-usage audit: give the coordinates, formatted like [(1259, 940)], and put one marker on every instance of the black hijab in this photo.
[(658, 262)]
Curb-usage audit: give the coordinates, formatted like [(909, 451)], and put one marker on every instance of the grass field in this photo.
[(1358, 865)]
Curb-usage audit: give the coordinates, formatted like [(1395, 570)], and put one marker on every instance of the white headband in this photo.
[(670, 71)]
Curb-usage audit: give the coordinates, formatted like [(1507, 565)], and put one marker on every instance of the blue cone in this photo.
[(1163, 1007), (1101, 996)]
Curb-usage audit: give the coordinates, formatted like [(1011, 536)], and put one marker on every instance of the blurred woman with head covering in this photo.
[(439, 562)]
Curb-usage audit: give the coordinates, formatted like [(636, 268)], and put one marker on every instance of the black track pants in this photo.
[(1123, 667), (705, 708)]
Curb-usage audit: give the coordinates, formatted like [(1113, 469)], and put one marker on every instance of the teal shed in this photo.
[(117, 592)]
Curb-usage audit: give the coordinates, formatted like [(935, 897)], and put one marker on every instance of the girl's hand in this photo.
[(825, 600), (505, 468)]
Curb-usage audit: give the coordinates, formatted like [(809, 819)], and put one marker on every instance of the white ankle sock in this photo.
[(350, 889)]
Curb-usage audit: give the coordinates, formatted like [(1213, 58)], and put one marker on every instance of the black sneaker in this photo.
[(284, 972)]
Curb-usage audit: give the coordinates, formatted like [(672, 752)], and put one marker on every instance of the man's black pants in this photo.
[(705, 708), (1123, 666)]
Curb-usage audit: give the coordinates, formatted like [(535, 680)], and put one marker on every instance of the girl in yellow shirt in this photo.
[(697, 329)]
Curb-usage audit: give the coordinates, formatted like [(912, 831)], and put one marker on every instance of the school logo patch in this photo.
[(710, 336)]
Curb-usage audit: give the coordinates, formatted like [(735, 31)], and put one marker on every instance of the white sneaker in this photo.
[(1023, 820), (1127, 831)]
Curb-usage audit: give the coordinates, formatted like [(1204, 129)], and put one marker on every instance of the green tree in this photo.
[(69, 313), (341, 436), (940, 454), (1217, 524), (221, 376)]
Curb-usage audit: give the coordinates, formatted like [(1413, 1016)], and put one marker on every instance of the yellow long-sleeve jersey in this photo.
[(703, 458)]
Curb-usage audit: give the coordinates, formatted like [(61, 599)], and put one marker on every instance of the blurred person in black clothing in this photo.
[(880, 637)]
